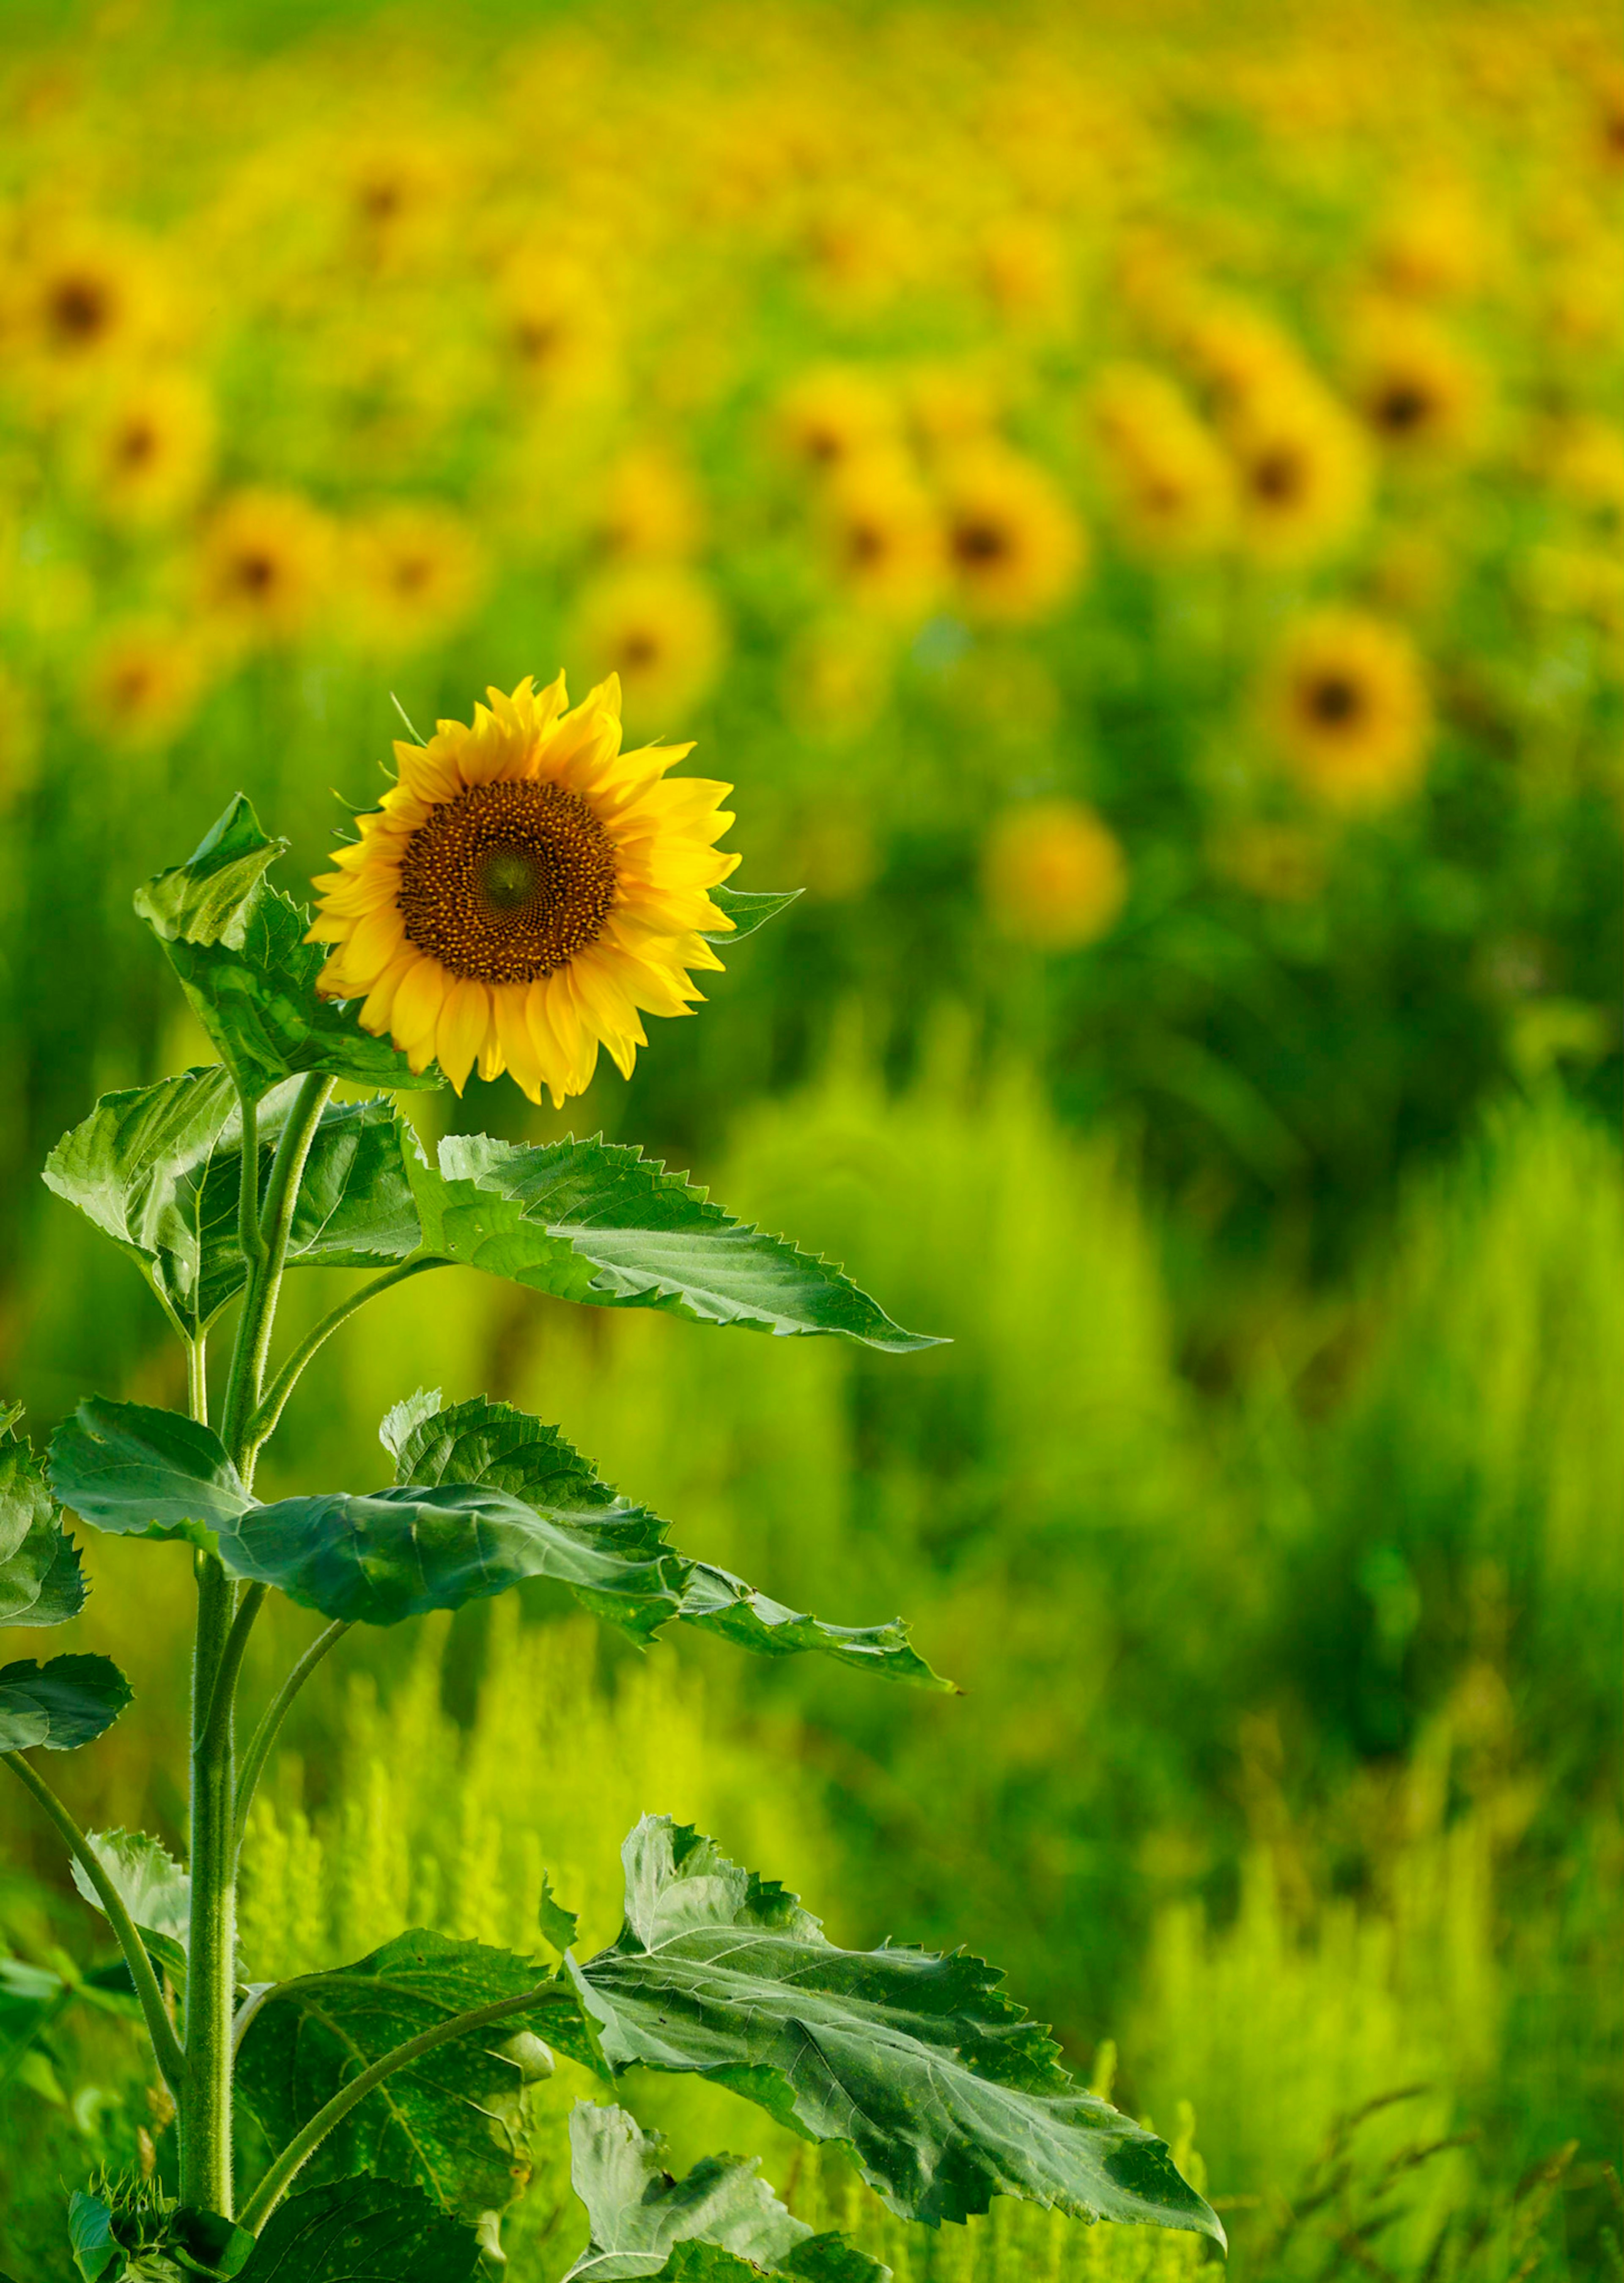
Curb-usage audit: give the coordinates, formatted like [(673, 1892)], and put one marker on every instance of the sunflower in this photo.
[(650, 511), (87, 298), (264, 565), (1170, 483), (1303, 473), (1346, 702), (1014, 544), (142, 683), (143, 454), (524, 889), (1419, 393), (657, 629), (885, 535), (1053, 874), (415, 574), (834, 414)]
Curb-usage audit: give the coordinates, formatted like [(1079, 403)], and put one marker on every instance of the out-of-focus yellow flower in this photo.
[(142, 683), (412, 573), (1301, 473), (885, 535), (1345, 700), (838, 676), (1279, 862), (1053, 874), (648, 508), (559, 330), (1237, 355), (1420, 394), (836, 413), (83, 298), (1169, 482), (1027, 273), (658, 629), (1584, 460), (1433, 245), (954, 405), (141, 455), (524, 890), (264, 566), (1015, 547)]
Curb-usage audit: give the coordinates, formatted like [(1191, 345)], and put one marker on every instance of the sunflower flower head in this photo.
[(524, 891)]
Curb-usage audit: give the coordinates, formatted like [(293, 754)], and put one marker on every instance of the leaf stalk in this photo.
[(271, 1722)]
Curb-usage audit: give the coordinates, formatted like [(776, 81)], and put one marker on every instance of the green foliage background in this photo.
[(1268, 1505)]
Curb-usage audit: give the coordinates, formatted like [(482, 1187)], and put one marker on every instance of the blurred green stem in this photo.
[(265, 1735), (166, 2044), (263, 1424)]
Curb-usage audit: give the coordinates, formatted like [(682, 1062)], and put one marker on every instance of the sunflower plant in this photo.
[(525, 891)]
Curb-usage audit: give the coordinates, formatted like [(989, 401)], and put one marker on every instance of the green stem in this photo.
[(196, 1378), (259, 1309), (263, 1424), (248, 1188), (304, 2142), (166, 2044), (211, 1956), (224, 1693), (265, 1735)]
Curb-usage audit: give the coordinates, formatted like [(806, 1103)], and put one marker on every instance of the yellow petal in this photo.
[(415, 1016), (518, 1050), (380, 1000), (464, 1024)]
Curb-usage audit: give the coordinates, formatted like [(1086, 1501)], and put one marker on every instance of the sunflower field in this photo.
[(1131, 503)]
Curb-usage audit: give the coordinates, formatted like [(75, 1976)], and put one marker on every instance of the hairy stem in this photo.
[(263, 1424), (304, 2142), (248, 1188), (259, 1309), (265, 1735), (210, 1955), (166, 2044)]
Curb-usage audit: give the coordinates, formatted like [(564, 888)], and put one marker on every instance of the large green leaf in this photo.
[(140, 1473), (360, 2231), (160, 1170), (596, 1222), (453, 2123), (748, 908), (486, 1496), (41, 1581), (946, 2092), (720, 2221), (238, 945), (60, 1705), (153, 1887)]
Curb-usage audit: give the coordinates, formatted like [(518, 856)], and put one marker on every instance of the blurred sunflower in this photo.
[(1053, 874), (1419, 393), (142, 683), (1237, 355), (1345, 701), (838, 677), (524, 890), (559, 329), (144, 453), (834, 414), (1303, 473), (264, 568), (885, 536), (1170, 482), (648, 508), (83, 299), (659, 629), (413, 573), (1433, 245), (1014, 547), (1026, 272), (950, 406)]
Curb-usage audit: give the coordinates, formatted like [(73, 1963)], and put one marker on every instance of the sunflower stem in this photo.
[(263, 1424), (258, 1310)]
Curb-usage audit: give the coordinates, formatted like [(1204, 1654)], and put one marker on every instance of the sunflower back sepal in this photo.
[(749, 908), (238, 946)]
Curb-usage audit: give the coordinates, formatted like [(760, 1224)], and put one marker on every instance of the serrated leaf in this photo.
[(154, 1888), (400, 1420), (748, 908), (40, 1580), (453, 2123), (238, 946), (60, 1705), (140, 1473), (596, 1222), (159, 1170), (360, 2231), (640, 2216), (944, 2090)]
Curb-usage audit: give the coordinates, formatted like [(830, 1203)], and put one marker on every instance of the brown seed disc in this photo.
[(506, 882)]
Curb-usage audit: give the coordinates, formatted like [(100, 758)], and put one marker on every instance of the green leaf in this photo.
[(360, 2231), (97, 2250), (60, 1705), (595, 1222), (41, 1581), (399, 1421), (748, 908), (640, 2216), (160, 1170), (238, 945), (558, 1926), (155, 1890), (140, 1473), (944, 2090), (453, 2123)]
